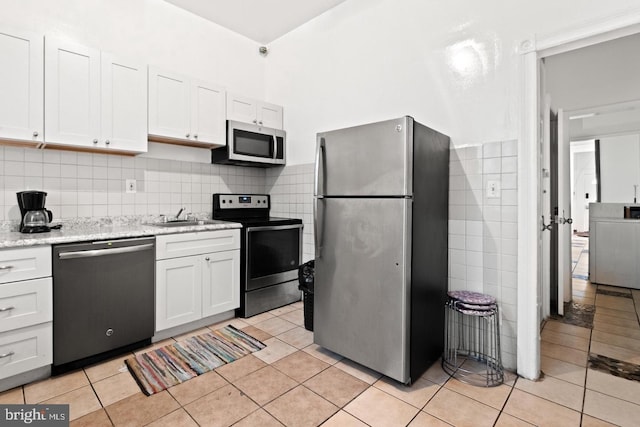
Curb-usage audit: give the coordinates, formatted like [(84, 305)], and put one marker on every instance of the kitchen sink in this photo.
[(186, 223)]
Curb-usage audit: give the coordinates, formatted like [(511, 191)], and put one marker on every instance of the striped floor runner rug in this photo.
[(159, 369)]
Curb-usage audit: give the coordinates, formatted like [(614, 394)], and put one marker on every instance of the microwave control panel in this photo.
[(241, 201)]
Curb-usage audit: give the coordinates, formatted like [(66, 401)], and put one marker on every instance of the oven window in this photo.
[(252, 144), (273, 251)]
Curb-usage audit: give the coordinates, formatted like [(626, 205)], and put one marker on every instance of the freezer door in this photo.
[(368, 160), (361, 292)]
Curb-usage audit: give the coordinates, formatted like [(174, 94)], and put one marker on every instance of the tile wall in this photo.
[(291, 190), (93, 185), (483, 232)]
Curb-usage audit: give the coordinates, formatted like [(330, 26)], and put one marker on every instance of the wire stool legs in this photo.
[(472, 345)]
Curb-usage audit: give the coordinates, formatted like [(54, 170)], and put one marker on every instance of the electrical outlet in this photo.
[(130, 185), (493, 189)]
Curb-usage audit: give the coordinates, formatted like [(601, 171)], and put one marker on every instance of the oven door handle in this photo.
[(274, 227)]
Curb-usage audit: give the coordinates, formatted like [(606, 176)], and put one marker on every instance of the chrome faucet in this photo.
[(179, 212)]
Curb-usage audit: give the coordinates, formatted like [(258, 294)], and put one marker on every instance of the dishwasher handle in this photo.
[(102, 252)]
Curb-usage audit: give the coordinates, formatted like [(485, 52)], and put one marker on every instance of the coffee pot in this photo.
[(34, 217)]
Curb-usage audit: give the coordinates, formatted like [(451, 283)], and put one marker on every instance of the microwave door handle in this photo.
[(275, 147)]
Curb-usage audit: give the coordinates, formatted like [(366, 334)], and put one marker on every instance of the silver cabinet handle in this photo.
[(195, 136), (187, 135), (107, 142), (260, 122), (95, 141), (207, 259), (6, 308), (6, 267), (11, 353), (255, 121), (35, 133)]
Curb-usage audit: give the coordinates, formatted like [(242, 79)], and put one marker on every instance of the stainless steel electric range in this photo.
[(270, 251)]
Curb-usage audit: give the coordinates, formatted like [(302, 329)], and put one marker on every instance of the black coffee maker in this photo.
[(34, 217)]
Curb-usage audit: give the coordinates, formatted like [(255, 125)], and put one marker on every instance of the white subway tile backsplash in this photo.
[(510, 148), (509, 197), (509, 181), (492, 165), (473, 243), (456, 226), (474, 228), (474, 259), (492, 149), (473, 166), (474, 182), (509, 213), (509, 164)]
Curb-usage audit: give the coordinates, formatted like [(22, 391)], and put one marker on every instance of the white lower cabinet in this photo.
[(24, 349), (26, 310), (191, 287)]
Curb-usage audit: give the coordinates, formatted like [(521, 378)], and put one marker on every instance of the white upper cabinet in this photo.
[(124, 104), (93, 100), (21, 86), (184, 110), (250, 110)]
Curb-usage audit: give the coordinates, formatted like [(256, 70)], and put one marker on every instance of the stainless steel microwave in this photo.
[(251, 145)]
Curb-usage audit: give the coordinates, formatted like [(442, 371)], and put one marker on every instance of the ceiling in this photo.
[(260, 20)]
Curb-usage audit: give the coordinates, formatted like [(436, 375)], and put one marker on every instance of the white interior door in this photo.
[(564, 221), (545, 237)]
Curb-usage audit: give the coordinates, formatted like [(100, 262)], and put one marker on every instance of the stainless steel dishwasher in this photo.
[(103, 300)]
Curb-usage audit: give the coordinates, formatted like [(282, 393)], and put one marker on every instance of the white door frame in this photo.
[(529, 200)]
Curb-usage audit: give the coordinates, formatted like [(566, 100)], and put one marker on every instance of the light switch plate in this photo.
[(130, 186), (493, 189)]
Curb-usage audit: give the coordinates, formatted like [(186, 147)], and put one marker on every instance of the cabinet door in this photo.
[(208, 117), (21, 86), (616, 254), (169, 115), (221, 282), (178, 291), (25, 303), (270, 115), (241, 109), (124, 105), (72, 94), (26, 349)]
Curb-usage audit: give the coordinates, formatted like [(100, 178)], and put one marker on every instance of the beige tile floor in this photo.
[(295, 383)]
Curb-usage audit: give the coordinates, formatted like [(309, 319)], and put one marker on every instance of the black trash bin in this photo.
[(305, 284)]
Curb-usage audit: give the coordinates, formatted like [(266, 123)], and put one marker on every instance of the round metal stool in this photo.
[(472, 339)]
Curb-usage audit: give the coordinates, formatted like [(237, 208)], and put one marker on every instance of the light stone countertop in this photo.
[(102, 230)]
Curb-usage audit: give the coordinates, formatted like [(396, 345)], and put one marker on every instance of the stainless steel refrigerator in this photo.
[(381, 215)]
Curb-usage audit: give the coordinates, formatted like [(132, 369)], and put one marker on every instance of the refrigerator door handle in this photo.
[(317, 224), (320, 151)]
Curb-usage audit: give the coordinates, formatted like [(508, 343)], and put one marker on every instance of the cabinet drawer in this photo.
[(25, 303), (25, 263), (25, 349), (187, 244)]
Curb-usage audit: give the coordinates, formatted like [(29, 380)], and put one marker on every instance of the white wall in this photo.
[(619, 168), (583, 175), (452, 65), (602, 74)]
